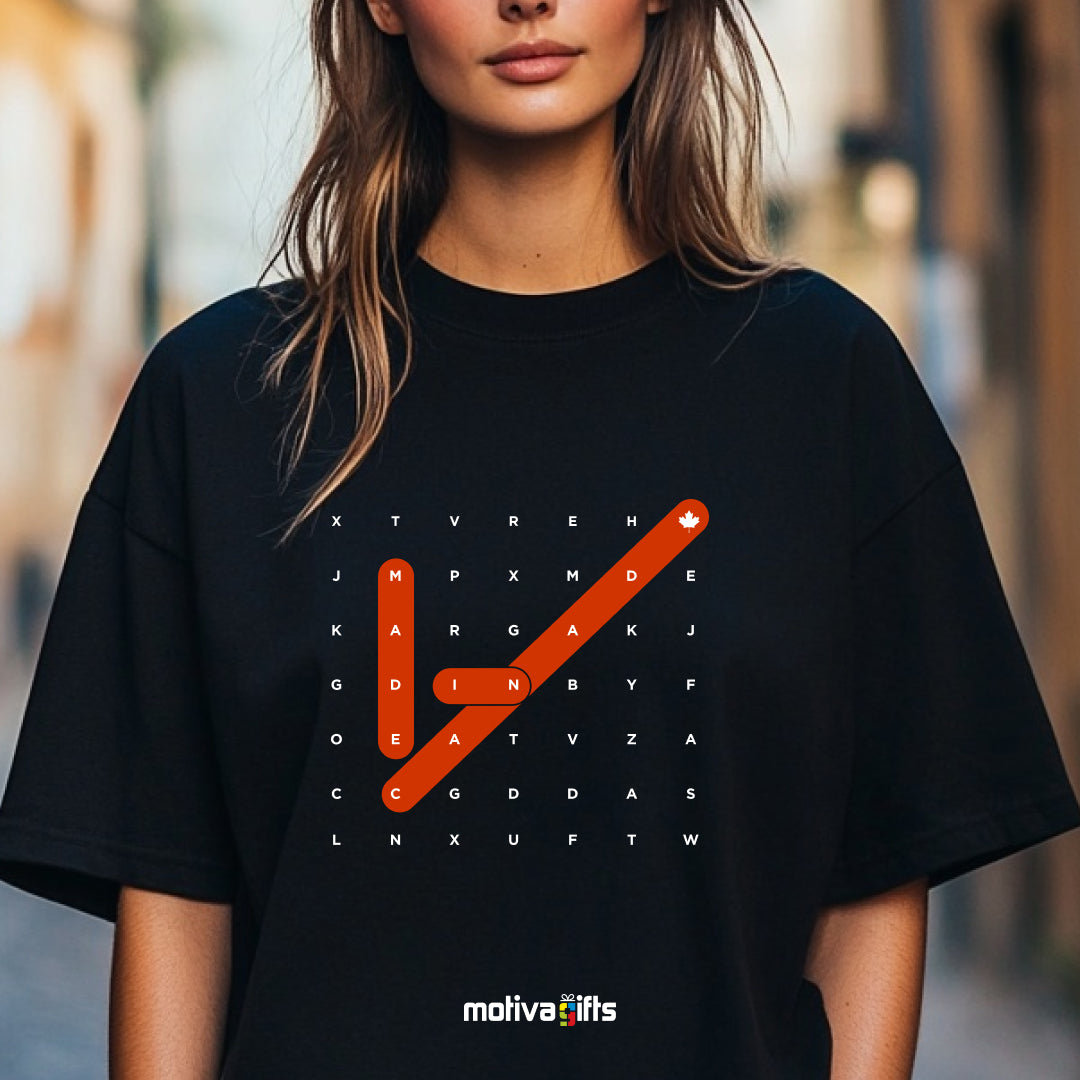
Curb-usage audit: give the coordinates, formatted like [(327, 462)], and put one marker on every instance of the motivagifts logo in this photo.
[(570, 1010)]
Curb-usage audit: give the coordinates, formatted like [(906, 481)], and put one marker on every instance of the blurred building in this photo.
[(234, 125), (949, 197), (147, 147), (1007, 201), (71, 229)]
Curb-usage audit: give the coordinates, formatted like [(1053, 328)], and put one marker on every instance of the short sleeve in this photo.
[(114, 778), (954, 760)]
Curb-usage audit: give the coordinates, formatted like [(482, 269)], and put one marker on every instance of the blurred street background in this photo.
[(932, 165)]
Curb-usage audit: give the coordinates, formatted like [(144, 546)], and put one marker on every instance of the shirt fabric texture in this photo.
[(793, 679)]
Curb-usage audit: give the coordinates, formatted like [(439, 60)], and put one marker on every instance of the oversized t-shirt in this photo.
[(657, 618)]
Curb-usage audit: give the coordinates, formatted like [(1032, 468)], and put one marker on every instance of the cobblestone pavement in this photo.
[(54, 970)]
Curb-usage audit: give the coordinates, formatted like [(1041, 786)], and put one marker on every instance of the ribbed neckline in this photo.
[(552, 315)]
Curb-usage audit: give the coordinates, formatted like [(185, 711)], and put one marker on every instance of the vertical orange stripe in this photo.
[(396, 647)]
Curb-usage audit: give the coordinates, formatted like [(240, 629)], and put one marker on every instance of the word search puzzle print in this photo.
[(477, 698)]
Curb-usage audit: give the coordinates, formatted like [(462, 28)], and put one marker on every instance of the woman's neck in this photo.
[(535, 215)]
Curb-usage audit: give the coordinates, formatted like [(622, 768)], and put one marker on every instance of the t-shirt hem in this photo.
[(958, 849), (85, 871)]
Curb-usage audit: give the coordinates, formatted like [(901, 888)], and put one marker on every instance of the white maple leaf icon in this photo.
[(688, 521)]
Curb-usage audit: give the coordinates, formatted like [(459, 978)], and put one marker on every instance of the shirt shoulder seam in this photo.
[(954, 462), (137, 533)]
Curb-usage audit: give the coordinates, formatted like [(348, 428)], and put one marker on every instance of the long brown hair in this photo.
[(688, 159)]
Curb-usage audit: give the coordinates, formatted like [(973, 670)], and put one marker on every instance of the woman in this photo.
[(542, 610)]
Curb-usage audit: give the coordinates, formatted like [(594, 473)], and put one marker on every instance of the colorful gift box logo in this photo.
[(567, 1011)]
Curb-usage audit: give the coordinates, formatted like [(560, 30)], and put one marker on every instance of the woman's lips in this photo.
[(534, 68), (534, 61)]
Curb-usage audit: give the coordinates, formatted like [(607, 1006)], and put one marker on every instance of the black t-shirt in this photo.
[(657, 618)]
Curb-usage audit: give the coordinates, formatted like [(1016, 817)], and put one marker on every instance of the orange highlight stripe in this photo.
[(552, 648), (396, 636), (481, 685)]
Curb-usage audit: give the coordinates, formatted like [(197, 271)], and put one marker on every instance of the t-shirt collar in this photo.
[(552, 315)]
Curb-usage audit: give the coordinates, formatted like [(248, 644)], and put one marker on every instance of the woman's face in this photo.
[(452, 43)]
